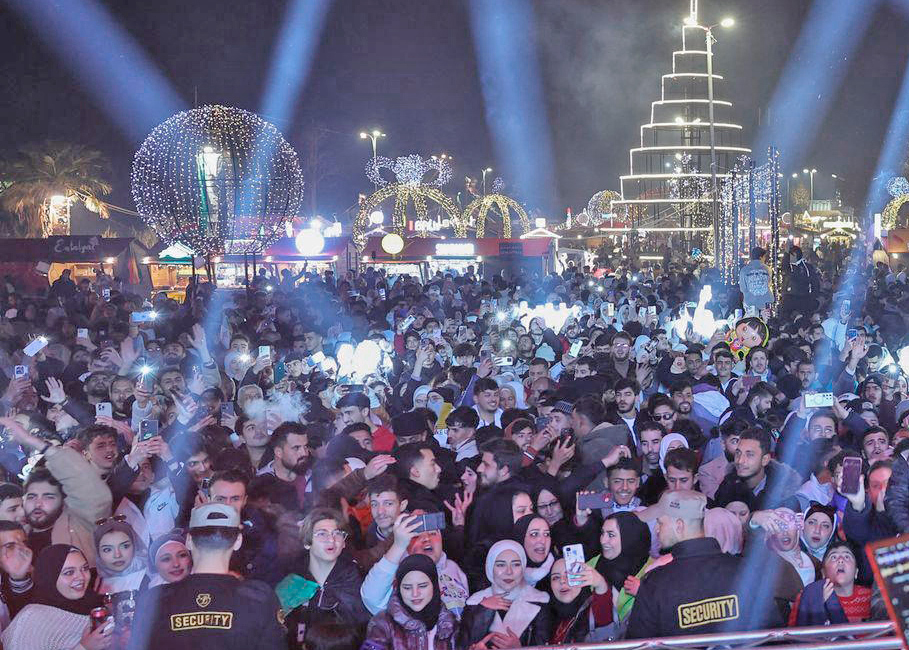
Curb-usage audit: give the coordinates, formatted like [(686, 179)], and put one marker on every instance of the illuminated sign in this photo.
[(449, 249), (428, 225)]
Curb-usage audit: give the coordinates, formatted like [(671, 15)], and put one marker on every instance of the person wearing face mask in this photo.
[(533, 533), (835, 598), (582, 611), (58, 614), (414, 618), (509, 613)]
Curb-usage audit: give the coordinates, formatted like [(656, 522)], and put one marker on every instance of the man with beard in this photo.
[(626, 406), (771, 482), (712, 473), (757, 404), (286, 478), (121, 389), (620, 356), (62, 500)]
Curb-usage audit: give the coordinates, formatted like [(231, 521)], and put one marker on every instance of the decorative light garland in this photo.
[(898, 187), (218, 179), (478, 209)]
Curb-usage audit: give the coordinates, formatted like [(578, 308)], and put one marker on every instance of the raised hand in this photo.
[(55, 392)]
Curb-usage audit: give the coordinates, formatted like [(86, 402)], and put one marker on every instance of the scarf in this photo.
[(156, 549), (635, 538), (664, 447), (139, 561), (830, 511), (429, 615), (525, 600), (534, 571), (47, 570)]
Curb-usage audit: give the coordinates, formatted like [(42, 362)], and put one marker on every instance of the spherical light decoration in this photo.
[(392, 243), (897, 186), (217, 179), (309, 242), (600, 204), (376, 217)]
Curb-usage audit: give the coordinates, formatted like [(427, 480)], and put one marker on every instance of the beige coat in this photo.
[(87, 500)]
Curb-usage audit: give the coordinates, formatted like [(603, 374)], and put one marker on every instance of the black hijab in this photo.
[(635, 537), (47, 570), (519, 533), (429, 615)]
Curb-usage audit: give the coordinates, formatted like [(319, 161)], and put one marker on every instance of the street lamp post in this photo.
[(789, 190), (811, 173), (374, 135), (691, 21), (485, 171)]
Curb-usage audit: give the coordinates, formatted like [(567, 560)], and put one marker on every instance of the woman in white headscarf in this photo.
[(509, 612), (667, 444), (511, 395)]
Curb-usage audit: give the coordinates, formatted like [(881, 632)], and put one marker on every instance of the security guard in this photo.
[(702, 590), (210, 608)]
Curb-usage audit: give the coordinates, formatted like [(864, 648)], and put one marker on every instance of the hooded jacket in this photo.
[(395, 629)]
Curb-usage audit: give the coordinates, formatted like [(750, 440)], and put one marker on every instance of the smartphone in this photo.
[(504, 361), (205, 486), (148, 429), (593, 501), (651, 310), (851, 334), (574, 562), (431, 521), (105, 293), (575, 349), (82, 333), (21, 372), (462, 330), (407, 322), (318, 357), (227, 408), (748, 381), (280, 371), (142, 316), (847, 306), (356, 388), (105, 409), (818, 400), (264, 351), (382, 294), (852, 474), (642, 313), (737, 315), (610, 309), (541, 422), (35, 346)]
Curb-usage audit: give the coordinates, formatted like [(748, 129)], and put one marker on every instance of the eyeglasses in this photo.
[(547, 506), (117, 518), (665, 416), (325, 535)]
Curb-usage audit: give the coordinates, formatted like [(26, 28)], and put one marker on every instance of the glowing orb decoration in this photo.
[(897, 186), (392, 243), (376, 217), (309, 242), (478, 210), (217, 179)]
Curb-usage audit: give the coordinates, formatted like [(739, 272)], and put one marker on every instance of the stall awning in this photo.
[(64, 249), (420, 248), (285, 250)]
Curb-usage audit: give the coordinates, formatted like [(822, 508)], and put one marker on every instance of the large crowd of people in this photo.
[(371, 461)]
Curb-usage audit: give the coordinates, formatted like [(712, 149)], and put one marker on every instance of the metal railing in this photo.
[(879, 635)]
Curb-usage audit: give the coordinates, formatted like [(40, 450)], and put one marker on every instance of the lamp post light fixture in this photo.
[(485, 171), (692, 21), (373, 136), (811, 173)]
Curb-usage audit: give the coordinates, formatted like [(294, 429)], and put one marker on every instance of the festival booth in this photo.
[(38, 262), (424, 256), (172, 266)]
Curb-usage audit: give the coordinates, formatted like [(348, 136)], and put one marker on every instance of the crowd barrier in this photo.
[(879, 635)]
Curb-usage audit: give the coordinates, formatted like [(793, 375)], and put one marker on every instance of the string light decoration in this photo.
[(898, 187), (218, 179), (477, 211), (601, 204), (411, 186)]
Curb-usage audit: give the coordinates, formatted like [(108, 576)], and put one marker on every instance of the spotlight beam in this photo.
[(105, 59), (513, 96), (293, 57), (830, 34)]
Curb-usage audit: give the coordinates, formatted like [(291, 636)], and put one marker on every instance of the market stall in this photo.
[(425, 256), (38, 262)]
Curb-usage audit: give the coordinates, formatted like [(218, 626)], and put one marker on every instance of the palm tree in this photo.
[(42, 180)]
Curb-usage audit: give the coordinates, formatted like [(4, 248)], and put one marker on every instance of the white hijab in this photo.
[(524, 598)]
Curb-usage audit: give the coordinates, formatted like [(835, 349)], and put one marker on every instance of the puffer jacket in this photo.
[(896, 501), (477, 620), (395, 629), (338, 600)]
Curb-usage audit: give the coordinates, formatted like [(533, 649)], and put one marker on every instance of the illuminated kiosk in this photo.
[(666, 185), (422, 256)]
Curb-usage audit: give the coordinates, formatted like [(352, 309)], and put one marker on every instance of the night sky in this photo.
[(409, 67)]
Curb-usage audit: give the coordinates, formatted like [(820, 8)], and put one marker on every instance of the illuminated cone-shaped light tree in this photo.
[(669, 181), (217, 179)]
